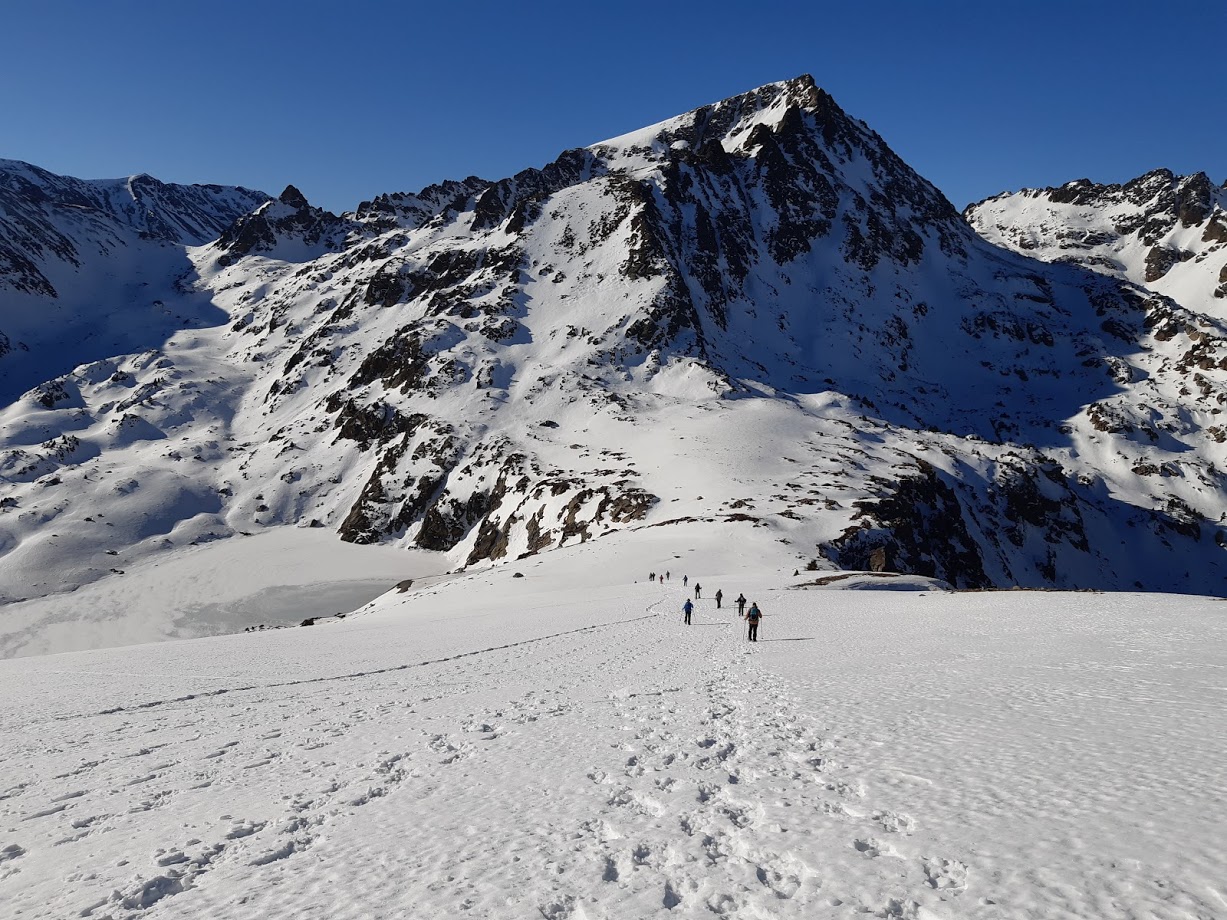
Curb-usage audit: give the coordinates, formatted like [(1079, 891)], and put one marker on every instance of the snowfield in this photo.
[(559, 745), (275, 578)]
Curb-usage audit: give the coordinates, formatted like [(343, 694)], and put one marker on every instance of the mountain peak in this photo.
[(288, 226), (483, 368), (804, 91), (294, 198)]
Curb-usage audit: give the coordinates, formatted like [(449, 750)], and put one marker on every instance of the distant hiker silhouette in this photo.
[(741, 605), (685, 578), (666, 576), (686, 609), (752, 618), (698, 590), (719, 594)]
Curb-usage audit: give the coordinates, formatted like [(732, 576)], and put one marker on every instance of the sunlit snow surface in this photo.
[(274, 578), (560, 745)]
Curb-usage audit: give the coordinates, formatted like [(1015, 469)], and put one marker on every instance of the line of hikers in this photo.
[(753, 616)]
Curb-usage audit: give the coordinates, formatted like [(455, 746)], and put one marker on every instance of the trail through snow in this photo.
[(885, 753)]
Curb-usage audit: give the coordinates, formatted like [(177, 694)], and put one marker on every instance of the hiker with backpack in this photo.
[(686, 609), (719, 594), (741, 605), (698, 590), (753, 615)]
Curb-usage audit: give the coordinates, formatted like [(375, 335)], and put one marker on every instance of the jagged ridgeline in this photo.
[(753, 315)]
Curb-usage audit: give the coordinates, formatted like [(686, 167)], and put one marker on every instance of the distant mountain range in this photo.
[(753, 314)]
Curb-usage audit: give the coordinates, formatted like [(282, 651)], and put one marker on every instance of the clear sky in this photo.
[(349, 99)]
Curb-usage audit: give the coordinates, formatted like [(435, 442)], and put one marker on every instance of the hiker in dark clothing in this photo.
[(698, 590), (741, 605), (686, 609), (719, 594), (752, 618), (685, 578), (666, 576)]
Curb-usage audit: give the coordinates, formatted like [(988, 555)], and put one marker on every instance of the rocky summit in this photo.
[(753, 315)]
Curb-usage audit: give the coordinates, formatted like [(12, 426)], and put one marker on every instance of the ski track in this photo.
[(635, 768)]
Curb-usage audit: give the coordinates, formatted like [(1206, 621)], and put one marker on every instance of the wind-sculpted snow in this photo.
[(561, 745), (752, 314)]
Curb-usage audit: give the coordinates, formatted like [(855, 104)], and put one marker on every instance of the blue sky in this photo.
[(346, 100)]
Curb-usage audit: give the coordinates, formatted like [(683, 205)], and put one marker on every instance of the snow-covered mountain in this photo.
[(1163, 231), (95, 268), (754, 314)]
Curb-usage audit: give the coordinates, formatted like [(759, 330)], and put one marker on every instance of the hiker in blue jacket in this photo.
[(753, 615), (686, 609)]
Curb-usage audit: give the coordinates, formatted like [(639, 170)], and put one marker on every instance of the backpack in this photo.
[(754, 615)]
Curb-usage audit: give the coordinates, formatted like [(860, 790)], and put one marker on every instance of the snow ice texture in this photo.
[(536, 747)]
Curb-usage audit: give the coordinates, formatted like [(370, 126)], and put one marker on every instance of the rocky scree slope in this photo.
[(754, 314)]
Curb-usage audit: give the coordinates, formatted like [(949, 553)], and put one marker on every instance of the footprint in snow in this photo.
[(559, 909), (286, 850), (894, 823), (240, 829), (783, 876), (611, 870), (868, 848), (449, 752), (737, 816), (945, 874), (904, 910), (706, 792)]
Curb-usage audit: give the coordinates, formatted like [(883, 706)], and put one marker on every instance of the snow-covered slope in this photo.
[(561, 746), (753, 315), (93, 268), (1166, 232)]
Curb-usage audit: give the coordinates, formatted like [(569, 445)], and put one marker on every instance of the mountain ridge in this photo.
[(757, 296), (76, 253)]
